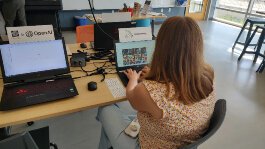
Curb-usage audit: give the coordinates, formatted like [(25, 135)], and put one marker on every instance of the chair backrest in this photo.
[(19, 141), (215, 123), (84, 33)]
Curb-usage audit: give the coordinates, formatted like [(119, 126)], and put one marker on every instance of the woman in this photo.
[(174, 102)]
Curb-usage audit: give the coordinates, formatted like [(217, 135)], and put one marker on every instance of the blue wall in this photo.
[(67, 21)]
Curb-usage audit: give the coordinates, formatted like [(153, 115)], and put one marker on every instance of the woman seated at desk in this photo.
[(175, 101)]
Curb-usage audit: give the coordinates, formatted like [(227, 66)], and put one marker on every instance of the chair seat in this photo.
[(261, 27), (256, 20)]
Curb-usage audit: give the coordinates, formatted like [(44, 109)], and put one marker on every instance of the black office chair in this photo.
[(215, 123), (19, 141), (39, 137)]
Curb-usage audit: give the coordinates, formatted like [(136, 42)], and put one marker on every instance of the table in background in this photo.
[(85, 100), (140, 17)]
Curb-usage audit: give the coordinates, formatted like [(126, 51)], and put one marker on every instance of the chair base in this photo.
[(261, 67)]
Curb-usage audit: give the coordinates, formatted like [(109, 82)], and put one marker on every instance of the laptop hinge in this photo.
[(46, 78), (50, 78)]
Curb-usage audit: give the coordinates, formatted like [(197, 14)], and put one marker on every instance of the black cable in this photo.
[(86, 71), (92, 11), (79, 77), (101, 66), (98, 71), (76, 70)]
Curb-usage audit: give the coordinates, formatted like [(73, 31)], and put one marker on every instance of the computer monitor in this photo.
[(136, 53), (33, 60), (106, 33)]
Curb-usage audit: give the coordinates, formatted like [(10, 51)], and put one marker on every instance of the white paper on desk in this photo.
[(135, 34), (116, 88), (116, 17), (155, 14), (30, 33)]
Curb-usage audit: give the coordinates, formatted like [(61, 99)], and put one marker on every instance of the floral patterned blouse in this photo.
[(180, 125)]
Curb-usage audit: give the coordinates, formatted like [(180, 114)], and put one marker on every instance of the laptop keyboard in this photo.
[(124, 78), (37, 92)]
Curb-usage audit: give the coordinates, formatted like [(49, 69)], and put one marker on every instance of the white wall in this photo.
[(112, 4), (75, 4)]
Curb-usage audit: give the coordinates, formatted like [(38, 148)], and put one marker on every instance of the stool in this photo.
[(251, 21), (261, 67), (259, 44)]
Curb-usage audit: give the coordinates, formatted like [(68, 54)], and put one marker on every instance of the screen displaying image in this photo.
[(134, 53), (134, 56), (24, 58)]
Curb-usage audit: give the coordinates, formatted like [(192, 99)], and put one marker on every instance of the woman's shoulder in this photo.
[(210, 99), (152, 85)]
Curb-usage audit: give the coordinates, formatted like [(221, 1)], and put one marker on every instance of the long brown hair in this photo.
[(178, 59)]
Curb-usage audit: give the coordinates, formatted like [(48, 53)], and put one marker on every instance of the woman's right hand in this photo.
[(145, 72)]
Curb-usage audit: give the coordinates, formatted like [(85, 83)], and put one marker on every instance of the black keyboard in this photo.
[(37, 92), (124, 78)]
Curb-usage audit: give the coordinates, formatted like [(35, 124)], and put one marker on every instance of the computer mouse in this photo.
[(91, 86), (83, 45)]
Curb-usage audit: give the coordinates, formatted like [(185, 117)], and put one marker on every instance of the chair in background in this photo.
[(262, 66), (85, 33), (215, 123), (19, 141), (34, 139), (251, 22), (42, 138), (259, 44)]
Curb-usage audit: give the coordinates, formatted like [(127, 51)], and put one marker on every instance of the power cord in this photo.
[(98, 71), (92, 11)]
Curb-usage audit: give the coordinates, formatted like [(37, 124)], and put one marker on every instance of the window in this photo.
[(236, 11)]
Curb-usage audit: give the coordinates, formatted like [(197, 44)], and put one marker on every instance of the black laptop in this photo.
[(134, 55), (35, 72), (106, 33)]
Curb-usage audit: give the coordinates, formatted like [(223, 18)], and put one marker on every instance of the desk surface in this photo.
[(85, 100), (140, 17)]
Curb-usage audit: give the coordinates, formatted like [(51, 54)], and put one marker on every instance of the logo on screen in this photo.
[(29, 34)]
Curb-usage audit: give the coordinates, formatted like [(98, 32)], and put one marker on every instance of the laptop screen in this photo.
[(32, 58), (134, 53)]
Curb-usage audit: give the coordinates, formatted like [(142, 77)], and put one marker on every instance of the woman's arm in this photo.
[(139, 97)]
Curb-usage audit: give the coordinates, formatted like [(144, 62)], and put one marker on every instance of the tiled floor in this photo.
[(238, 83)]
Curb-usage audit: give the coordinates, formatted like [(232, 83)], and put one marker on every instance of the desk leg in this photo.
[(153, 27)]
